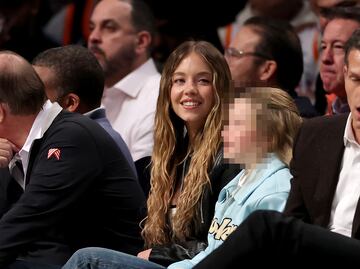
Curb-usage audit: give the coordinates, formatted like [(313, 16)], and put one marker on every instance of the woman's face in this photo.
[(242, 138), (192, 91)]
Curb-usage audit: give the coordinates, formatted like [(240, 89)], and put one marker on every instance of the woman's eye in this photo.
[(178, 81), (204, 81)]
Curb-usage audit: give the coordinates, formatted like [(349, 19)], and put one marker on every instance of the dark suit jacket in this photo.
[(99, 116), (317, 157), (87, 197)]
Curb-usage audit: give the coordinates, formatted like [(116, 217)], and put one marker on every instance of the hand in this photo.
[(7, 150), (145, 254)]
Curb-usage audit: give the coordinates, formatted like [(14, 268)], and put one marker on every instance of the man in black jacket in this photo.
[(321, 220), (78, 189)]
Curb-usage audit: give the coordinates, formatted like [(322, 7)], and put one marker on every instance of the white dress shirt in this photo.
[(348, 189), (42, 122), (130, 107)]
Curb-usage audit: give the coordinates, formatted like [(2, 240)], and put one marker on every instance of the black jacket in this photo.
[(89, 196), (316, 166), (220, 175)]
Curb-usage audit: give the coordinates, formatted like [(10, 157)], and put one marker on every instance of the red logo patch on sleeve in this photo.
[(54, 152)]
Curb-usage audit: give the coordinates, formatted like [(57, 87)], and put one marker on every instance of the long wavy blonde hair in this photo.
[(170, 149)]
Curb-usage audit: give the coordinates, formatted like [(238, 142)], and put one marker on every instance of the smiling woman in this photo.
[(192, 93), (194, 79), (187, 171)]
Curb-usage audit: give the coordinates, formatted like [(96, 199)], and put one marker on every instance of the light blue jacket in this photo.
[(267, 187)]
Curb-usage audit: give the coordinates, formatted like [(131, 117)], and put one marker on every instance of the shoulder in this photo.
[(320, 130), (151, 87), (149, 73), (75, 126), (319, 123), (221, 171), (305, 107), (274, 175), (273, 192), (271, 176), (279, 181), (69, 118)]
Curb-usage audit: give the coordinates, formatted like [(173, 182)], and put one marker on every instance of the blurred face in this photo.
[(48, 78), (192, 92), (243, 66), (336, 33), (112, 38), (352, 85), (242, 143)]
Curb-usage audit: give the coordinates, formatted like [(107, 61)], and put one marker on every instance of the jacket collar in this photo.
[(97, 113), (256, 177)]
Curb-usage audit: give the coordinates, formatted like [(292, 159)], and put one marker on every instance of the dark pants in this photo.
[(30, 265), (268, 237)]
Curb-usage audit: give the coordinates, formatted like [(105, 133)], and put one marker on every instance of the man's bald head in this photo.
[(20, 87)]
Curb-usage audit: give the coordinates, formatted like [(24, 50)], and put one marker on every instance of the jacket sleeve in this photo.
[(168, 254), (190, 263), (10, 191), (55, 184), (295, 205)]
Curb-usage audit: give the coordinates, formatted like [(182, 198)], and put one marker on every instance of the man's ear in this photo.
[(2, 112), (268, 70), (71, 102), (143, 41), (345, 69)]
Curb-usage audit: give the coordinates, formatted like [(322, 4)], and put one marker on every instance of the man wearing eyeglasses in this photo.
[(267, 52)]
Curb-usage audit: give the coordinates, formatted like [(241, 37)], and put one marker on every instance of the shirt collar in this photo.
[(134, 81), (92, 111), (96, 113), (349, 133), (42, 122)]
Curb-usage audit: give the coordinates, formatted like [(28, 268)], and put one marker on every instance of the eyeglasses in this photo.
[(232, 52)]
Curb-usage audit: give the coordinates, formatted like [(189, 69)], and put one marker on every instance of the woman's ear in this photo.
[(268, 70), (71, 102)]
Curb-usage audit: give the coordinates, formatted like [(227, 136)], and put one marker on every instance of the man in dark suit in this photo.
[(78, 188), (80, 93), (322, 215)]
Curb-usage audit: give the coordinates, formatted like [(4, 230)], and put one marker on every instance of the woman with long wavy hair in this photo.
[(184, 155), (187, 169)]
